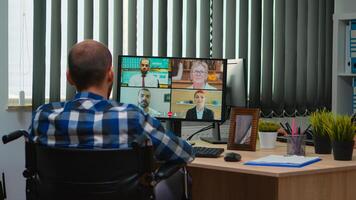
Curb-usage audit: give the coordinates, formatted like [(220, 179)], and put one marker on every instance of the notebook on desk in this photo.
[(283, 161)]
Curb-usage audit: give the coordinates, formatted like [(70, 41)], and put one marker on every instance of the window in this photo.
[(21, 37), (21, 44), (20, 50)]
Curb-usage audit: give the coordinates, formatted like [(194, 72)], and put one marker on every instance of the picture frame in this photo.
[(167, 98), (243, 129)]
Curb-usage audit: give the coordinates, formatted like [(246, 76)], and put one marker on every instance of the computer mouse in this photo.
[(232, 157)]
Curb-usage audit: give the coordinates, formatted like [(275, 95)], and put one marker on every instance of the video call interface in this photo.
[(178, 88)]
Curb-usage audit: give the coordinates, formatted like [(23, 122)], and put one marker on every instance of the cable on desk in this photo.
[(201, 130)]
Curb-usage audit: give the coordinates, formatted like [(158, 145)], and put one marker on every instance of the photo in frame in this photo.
[(243, 129), (167, 97)]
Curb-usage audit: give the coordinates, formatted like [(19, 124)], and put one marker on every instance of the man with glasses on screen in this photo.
[(144, 78), (199, 76)]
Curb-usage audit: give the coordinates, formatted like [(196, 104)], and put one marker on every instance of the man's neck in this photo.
[(144, 73), (144, 109), (99, 91)]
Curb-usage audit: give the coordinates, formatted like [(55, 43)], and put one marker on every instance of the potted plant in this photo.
[(267, 133), (341, 131), (318, 122)]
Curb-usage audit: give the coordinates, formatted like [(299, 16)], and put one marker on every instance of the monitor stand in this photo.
[(174, 126), (216, 139)]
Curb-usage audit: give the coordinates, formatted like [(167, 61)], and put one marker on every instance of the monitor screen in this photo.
[(189, 89), (236, 83)]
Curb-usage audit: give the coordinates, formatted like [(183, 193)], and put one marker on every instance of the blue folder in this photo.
[(353, 46), (285, 163)]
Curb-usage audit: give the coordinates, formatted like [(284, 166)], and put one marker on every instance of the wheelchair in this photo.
[(54, 173)]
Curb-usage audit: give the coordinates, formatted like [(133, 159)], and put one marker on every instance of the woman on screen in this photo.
[(199, 111), (199, 76)]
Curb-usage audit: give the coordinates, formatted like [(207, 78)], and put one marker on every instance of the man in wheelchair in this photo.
[(91, 121)]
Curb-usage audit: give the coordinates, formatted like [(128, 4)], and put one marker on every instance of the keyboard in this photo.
[(208, 152)]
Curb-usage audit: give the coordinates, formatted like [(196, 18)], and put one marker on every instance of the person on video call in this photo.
[(144, 79), (199, 76), (200, 111), (144, 100)]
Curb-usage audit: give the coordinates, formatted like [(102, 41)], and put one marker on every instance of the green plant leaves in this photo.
[(267, 126), (341, 128), (338, 128), (318, 120)]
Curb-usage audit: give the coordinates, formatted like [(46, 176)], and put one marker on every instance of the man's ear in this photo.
[(111, 74), (69, 78)]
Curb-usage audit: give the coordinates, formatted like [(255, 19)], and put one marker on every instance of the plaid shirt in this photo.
[(90, 121)]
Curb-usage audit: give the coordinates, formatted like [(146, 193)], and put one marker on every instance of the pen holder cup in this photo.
[(296, 145)]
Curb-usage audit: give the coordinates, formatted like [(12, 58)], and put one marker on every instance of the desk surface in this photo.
[(327, 164)]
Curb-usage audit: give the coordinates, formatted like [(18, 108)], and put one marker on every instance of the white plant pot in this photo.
[(267, 139)]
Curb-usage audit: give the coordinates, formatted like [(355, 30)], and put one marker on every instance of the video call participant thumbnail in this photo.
[(144, 100), (150, 100), (199, 75), (144, 79), (200, 111)]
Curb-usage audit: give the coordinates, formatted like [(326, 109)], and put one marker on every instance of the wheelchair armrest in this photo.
[(166, 170), (13, 136)]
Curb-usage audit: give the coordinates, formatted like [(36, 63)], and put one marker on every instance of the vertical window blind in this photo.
[(286, 44)]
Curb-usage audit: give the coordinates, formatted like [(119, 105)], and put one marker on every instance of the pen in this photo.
[(294, 128), (285, 129), (280, 123), (307, 128), (288, 128)]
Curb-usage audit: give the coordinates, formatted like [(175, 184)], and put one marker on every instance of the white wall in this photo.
[(345, 6), (12, 159)]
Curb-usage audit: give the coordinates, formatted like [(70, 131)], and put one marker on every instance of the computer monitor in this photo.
[(236, 91), (182, 89), (235, 95)]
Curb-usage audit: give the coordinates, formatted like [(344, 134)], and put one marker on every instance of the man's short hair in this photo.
[(88, 62), (142, 59), (143, 89)]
